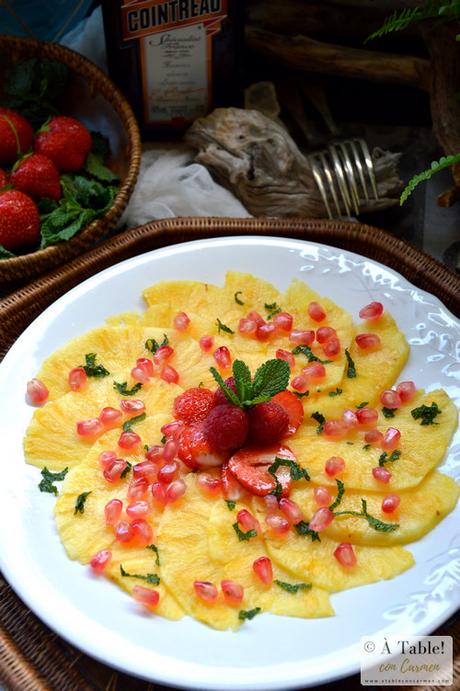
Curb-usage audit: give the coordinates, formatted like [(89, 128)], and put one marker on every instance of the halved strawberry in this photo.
[(232, 489), (194, 449), (294, 409), (250, 467)]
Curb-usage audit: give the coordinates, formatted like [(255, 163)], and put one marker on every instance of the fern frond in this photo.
[(436, 166), (399, 21)]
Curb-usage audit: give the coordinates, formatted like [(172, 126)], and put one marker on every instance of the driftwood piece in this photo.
[(310, 55), (260, 163)]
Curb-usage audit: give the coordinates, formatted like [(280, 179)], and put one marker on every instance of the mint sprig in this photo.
[(270, 378)]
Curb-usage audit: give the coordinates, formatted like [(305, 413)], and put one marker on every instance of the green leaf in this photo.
[(426, 413), (374, 523), (101, 146), (320, 419), (152, 578), (228, 393), (307, 351), (248, 614), (242, 536), (384, 458), (295, 470), (388, 412), (362, 405), (366, 447), (95, 166), (271, 378), (221, 327), (48, 478), (302, 528), (5, 254), (351, 369), (301, 395), (133, 421), (337, 392), (237, 299), (436, 167), (272, 309), (126, 471), (230, 504), (122, 388), (339, 497), (243, 380), (293, 588), (153, 345), (80, 503), (154, 548), (93, 370)]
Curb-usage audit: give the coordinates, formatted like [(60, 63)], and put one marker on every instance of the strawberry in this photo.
[(194, 448), (65, 141), (294, 409), (232, 489), (3, 179), (250, 466), (193, 405), (226, 427), (37, 176), (16, 136), (268, 422), (19, 220)]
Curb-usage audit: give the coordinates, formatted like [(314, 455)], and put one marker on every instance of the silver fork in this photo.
[(344, 172)]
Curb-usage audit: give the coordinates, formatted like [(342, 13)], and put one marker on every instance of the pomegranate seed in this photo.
[(89, 428), (247, 521), (112, 511), (100, 560), (345, 555), (391, 439), (170, 375), (134, 406), (373, 437), (381, 474), (300, 384), (138, 488), (181, 321), (367, 416), (77, 378), (114, 470), (37, 393), (155, 453), (283, 321), (147, 470), (206, 343), (247, 326), (170, 450), (163, 353), (324, 333), (315, 371), (285, 355), (321, 519), (123, 532), (263, 569), (146, 596), (205, 591), (302, 337), (332, 348), (146, 364), (106, 457), (208, 483), (168, 472), (142, 532), (138, 509), (128, 440), (139, 374), (322, 496), (372, 311), (265, 331), (406, 391), (222, 357), (271, 503), (159, 492), (368, 341), (233, 592), (175, 490), (316, 312), (291, 510), (350, 418), (172, 429), (335, 429), (334, 466), (278, 524), (390, 503), (110, 417), (256, 317)]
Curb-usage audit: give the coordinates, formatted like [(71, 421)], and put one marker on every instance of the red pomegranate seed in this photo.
[(170, 450), (265, 331), (334, 466), (316, 312), (322, 496), (181, 321), (163, 353), (222, 357), (314, 371), (100, 560), (390, 503), (233, 592), (302, 337), (381, 474), (324, 333), (159, 492), (89, 428), (142, 532), (208, 483), (172, 430), (367, 416), (139, 374), (132, 406), (300, 384), (350, 418), (283, 321), (372, 311), (247, 326), (123, 532), (146, 596), (345, 555), (406, 391), (263, 569), (170, 375), (106, 457), (368, 341), (321, 519), (114, 470), (271, 503), (285, 355), (336, 429), (37, 392), (206, 343), (155, 453), (147, 365), (278, 524), (332, 348), (110, 417), (138, 509), (175, 490), (128, 440), (77, 378), (391, 439), (247, 521), (255, 317), (291, 510), (373, 437), (112, 511), (168, 472), (205, 591), (146, 469), (138, 488)]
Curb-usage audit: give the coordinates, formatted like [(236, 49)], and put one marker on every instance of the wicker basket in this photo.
[(94, 98)]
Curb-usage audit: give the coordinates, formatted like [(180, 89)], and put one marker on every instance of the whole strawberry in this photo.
[(65, 141), (19, 220), (37, 176), (16, 136), (3, 178)]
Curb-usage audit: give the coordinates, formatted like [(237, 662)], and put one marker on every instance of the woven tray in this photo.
[(33, 658)]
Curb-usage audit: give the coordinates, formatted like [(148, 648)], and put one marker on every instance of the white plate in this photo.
[(269, 652)]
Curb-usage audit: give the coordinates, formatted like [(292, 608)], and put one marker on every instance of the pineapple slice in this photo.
[(422, 448)]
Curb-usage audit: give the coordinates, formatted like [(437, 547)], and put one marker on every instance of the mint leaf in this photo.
[(95, 166), (307, 351), (374, 523), (122, 388), (295, 470), (384, 458), (388, 412), (228, 393), (243, 380), (48, 478), (340, 493), (303, 529), (93, 370), (230, 504), (153, 345), (426, 413), (271, 378), (242, 536), (272, 309), (351, 369), (301, 395), (80, 503), (292, 587), (5, 254), (237, 299), (148, 578), (320, 419), (126, 470), (337, 392), (133, 421), (363, 404), (243, 615), (223, 327), (154, 548)]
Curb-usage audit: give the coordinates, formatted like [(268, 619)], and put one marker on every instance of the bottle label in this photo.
[(175, 42)]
